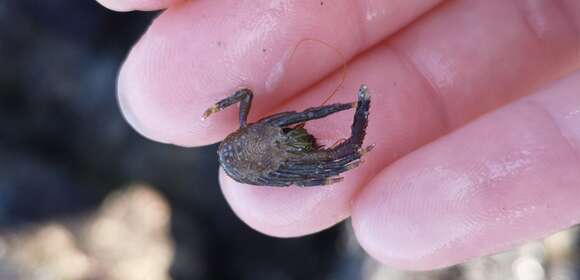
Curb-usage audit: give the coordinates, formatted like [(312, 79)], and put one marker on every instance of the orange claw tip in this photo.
[(367, 149), (333, 180), (208, 112)]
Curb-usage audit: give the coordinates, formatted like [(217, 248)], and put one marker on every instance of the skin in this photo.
[(477, 133)]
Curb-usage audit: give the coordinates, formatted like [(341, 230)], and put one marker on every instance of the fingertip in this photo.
[(171, 77), (114, 5), (159, 100), (142, 5), (137, 99), (125, 106)]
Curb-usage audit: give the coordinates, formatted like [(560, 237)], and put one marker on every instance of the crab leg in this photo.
[(244, 96), (321, 167), (289, 118)]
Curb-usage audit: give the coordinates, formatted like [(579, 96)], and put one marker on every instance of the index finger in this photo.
[(201, 51)]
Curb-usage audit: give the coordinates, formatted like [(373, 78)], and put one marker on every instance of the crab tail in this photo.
[(361, 118)]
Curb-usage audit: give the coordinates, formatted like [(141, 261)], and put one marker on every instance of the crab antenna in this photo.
[(344, 69)]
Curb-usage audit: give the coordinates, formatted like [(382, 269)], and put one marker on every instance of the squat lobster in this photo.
[(278, 151)]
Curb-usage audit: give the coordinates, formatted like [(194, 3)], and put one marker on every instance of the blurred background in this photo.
[(83, 196)]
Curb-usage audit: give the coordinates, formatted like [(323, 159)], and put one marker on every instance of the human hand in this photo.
[(443, 184)]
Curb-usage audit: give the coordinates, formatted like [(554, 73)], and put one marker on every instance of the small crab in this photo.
[(278, 151)]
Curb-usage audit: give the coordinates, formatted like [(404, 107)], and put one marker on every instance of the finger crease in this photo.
[(432, 91)]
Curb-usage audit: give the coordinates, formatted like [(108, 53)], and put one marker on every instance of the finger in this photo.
[(142, 5), (417, 97), (201, 51), (511, 176)]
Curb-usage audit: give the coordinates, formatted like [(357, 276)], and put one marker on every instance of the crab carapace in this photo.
[(278, 151)]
